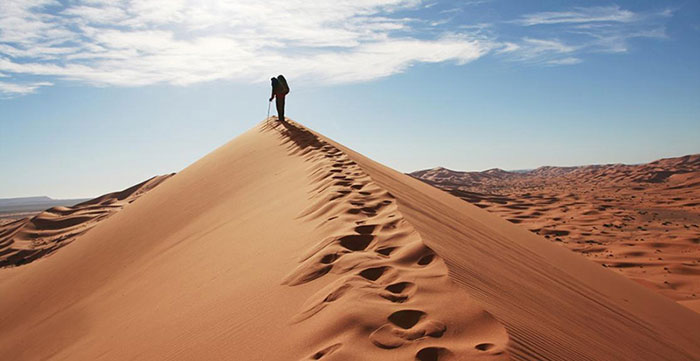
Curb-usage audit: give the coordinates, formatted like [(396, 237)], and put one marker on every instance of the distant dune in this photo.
[(28, 239), (284, 245), (9, 207), (641, 220)]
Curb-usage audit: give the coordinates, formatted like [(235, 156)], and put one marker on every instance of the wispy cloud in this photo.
[(579, 15), (14, 89), (127, 43), (565, 61), (550, 51), (181, 42), (587, 30)]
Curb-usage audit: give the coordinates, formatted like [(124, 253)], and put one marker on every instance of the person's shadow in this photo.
[(301, 137)]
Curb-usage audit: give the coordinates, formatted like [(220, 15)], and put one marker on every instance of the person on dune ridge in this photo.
[(280, 89)]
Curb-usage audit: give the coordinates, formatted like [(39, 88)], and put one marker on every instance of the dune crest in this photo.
[(386, 275)]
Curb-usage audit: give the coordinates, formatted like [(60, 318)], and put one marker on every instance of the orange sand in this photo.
[(283, 245), (640, 220), (28, 239)]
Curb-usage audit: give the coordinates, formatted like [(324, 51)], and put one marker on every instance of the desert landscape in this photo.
[(642, 221), (241, 180), (283, 244)]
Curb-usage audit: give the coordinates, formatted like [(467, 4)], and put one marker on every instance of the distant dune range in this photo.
[(284, 245), (33, 204), (640, 220), (28, 239), (14, 208)]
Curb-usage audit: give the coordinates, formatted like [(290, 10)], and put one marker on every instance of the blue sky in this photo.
[(98, 95)]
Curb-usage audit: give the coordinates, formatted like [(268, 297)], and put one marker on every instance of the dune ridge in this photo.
[(28, 239), (387, 275)]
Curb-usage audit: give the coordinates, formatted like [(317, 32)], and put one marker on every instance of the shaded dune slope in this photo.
[(390, 288), (28, 239), (555, 304), (283, 245)]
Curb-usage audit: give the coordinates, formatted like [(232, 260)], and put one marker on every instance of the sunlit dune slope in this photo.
[(29, 239)]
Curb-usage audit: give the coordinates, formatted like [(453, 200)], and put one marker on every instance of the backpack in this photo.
[(284, 88)]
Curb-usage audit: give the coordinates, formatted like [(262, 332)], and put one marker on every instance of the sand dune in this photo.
[(28, 239), (283, 245), (643, 221), (383, 273)]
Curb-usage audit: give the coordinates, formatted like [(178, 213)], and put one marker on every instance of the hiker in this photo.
[(279, 91)]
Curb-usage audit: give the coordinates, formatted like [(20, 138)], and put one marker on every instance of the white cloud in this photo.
[(546, 51), (580, 15), (392, 56), (606, 29), (11, 89), (564, 61), (133, 43)]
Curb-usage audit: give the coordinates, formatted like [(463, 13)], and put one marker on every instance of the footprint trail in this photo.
[(387, 295)]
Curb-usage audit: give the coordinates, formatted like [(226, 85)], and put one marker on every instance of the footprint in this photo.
[(395, 298), (400, 287), (326, 351), (374, 273), (425, 260), (369, 210), (391, 225), (306, 273), (386, 251), (405, 326), (337, 196), (330, 258), (365, 229), (484, 346), (406, 318), (356, 242), (433, 354), (398, 292), (385, 338)]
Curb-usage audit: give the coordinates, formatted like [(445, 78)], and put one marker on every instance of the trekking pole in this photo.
[(268, 109)]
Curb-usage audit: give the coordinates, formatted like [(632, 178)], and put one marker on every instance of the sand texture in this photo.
[(643, 221), (284, 245), (28, 239)]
